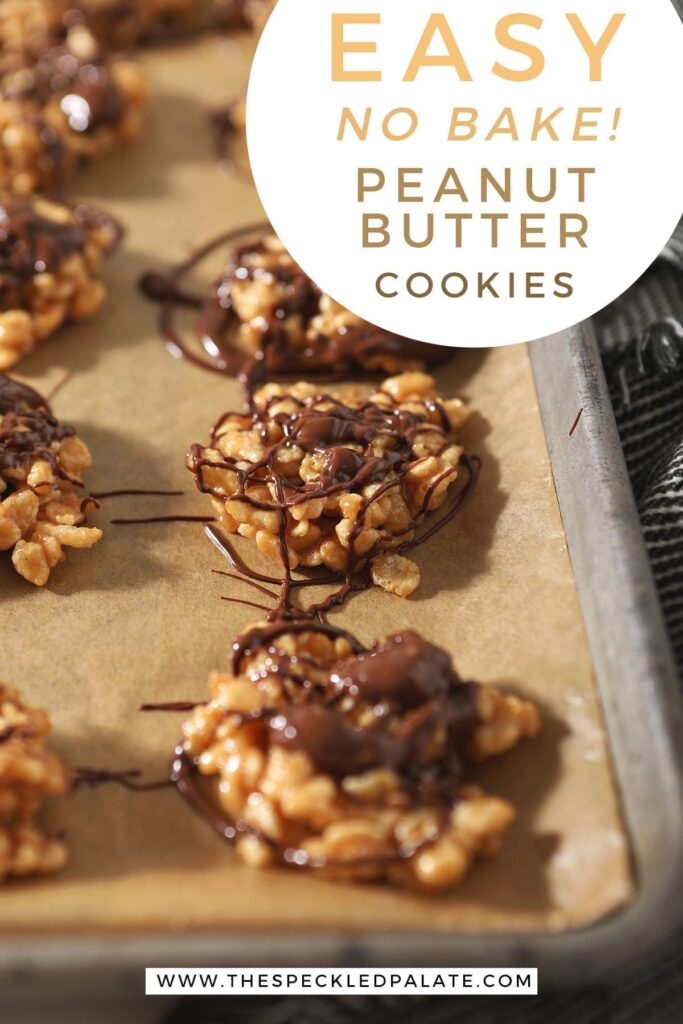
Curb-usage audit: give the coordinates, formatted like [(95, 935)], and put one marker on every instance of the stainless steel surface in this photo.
[(644, 718)]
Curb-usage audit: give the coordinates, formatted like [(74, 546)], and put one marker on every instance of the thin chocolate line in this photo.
[(93, 777), (576, 422), (247, 604), (184, 777), (349, 350), (165, 289), (176, 705), (135, 492), (353, 581), (162, 519), (61, 383), (241, 579)]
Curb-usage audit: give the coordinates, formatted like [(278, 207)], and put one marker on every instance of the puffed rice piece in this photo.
[(29, 773)]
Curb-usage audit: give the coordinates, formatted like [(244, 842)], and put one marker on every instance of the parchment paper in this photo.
[(139, 618)]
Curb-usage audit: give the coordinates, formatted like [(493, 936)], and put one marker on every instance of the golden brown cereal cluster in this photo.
[(122, 24), (50, 256), (335, 479), (265, 307), (27, 26), (351, 762), (41, 462), (61, 102), (28, 773)]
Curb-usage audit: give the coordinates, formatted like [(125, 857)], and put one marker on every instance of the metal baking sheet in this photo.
[(641, 704), (630, 656)]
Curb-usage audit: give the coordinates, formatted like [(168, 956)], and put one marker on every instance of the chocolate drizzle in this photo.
[(32, 244), (92, 778), (331, 357), (344, 469), (16, 397), (136, 492), (161, 519), (413, 689), (410, 684), (180, 706), (28, 430)]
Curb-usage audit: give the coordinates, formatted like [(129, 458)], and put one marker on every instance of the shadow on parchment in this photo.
[(115, 832)]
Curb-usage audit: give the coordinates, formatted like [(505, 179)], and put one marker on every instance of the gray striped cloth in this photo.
[(641, 336)]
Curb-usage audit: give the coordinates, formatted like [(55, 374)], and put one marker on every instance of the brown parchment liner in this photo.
[(139, 619)]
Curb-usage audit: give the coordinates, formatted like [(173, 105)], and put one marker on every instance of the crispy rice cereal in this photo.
[(352, 762), (127, 22), (49, 260), (28, 773), (32, 25), (63, 103), (27, 26), (264, 306), (41, 510), (338, 480)]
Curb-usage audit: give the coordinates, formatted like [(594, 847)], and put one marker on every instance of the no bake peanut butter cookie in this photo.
[(337, 479), (355, 763), (62, 101)]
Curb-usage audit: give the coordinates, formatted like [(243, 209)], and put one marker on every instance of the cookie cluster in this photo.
[(336, 479), (316, 753)]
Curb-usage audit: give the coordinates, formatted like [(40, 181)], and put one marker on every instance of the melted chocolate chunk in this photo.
[(31, 244), (404, 670), (335, 747), (403, 676), (27, 428), (406, 676), (87, 93), (342, 465), (93, 100), (15, 396)]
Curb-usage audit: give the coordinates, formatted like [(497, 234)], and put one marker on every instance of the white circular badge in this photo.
[(467, 173)]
